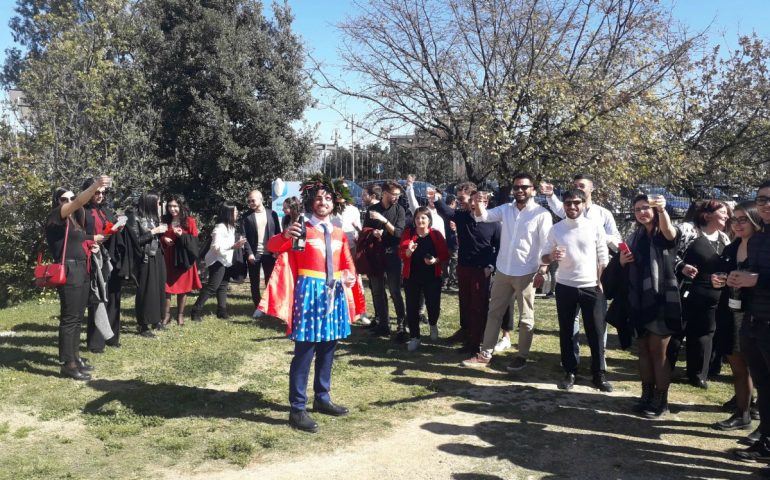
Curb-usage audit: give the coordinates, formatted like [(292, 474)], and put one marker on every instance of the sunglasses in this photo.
[(762, 200), (66, 199), (646, 208), (100, 193), (572, 203), (740, 220), (520, 187)]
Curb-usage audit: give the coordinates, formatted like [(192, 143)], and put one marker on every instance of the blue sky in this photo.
[(315, 20)]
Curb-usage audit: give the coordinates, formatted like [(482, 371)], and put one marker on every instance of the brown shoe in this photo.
[(460, 336), (480, 360)]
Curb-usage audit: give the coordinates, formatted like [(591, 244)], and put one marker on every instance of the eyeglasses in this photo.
[(100, 193), (520, 187), (572, 203), (740, 220), (645, 208), (762, 200), (66, 199)]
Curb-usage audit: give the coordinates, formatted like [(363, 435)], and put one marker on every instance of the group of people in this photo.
[(694, 282)]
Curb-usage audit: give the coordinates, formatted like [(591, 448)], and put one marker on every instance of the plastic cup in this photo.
[(721, 278)]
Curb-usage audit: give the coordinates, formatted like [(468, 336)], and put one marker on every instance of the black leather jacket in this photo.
[(140, 228)]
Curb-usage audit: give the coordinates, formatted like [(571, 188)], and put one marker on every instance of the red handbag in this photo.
[(52, 274)]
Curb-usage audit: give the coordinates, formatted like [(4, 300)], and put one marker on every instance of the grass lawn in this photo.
[(213, 396)]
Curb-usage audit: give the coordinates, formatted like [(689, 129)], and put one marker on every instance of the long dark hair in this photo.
[(184, 211), (750, 207), (226, 214), (294, 210), (147, 206), (78, 216), (655, 217)]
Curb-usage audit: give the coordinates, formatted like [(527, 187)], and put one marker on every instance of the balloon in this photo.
[(279, 188)]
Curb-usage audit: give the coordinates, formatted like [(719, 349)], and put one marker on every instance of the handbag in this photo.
[(52, 274)]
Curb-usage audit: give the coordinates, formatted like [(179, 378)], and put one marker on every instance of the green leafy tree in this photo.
[(227, 84), (86, 98)]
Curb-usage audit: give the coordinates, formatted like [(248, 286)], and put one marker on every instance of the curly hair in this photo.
[(339, 192)]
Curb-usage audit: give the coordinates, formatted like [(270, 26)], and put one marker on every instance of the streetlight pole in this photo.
[(352, 149)]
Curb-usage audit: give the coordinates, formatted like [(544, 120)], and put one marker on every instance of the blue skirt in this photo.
[(320, 314)]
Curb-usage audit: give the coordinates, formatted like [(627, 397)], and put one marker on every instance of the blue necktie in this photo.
[(329, 256)]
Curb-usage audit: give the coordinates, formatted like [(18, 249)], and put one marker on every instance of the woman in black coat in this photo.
[(150, 270)]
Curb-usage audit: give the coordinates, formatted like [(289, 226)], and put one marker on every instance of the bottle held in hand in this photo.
[(298, 243)]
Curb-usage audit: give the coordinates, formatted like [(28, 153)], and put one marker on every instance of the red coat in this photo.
[(442, 251)]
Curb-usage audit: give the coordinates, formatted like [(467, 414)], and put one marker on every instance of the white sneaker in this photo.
[(257, 313), (413, 344), (503, 344), (434, 333), (364, 320)]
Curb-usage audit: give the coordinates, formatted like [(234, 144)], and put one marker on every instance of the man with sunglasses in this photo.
[(258, 226), (755, 329), (580, 247), (525, 226)]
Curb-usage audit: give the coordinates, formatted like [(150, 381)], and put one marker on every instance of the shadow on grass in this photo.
[(168, 401), (29, 361), (580, 435), (34, 327)]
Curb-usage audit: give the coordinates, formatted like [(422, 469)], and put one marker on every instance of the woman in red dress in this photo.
[(180, 252)]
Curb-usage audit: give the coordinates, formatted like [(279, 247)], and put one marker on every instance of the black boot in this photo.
[(646, 399), (740, 420), (658, 406)]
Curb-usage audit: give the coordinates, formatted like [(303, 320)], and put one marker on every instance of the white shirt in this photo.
[(586, 250), (597, 213), (221, 250), (349, 221), (438, 221), (523, 236)]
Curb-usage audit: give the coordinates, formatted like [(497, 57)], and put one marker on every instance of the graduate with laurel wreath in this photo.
[(312, 291)]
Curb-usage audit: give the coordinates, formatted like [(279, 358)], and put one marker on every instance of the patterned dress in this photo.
[(317, 313)]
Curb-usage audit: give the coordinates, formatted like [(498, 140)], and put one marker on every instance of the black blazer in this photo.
[(249, 229)]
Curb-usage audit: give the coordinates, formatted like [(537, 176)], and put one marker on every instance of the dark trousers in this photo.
[(450, 270), (266, 262), (391, 279), (590, 301), (94, 338), (473, 293), (416, 289), (73, 298), (699, 313), (755, 347), (300, 371), (216, 285)]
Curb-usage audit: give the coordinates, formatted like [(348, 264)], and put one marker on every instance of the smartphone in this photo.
[(623, 247)]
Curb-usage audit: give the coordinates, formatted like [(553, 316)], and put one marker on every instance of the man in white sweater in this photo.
[(580, 247)]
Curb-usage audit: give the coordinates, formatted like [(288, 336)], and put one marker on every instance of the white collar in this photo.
[(316, 222)]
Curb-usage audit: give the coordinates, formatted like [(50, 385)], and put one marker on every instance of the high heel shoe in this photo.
[(180, 320)]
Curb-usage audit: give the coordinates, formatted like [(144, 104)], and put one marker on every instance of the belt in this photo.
[(316, 274)]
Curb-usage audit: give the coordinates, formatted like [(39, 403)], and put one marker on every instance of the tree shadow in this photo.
[(29, 361), (35, 327), (580, 435), (169, 401)]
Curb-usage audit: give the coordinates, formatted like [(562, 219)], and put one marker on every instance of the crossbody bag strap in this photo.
[(66, 234)]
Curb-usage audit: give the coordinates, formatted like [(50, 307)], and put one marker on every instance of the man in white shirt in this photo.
[(580, 247), (525, 228)]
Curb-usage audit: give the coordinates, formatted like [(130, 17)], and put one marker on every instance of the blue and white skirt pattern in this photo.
[(320, 314)]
